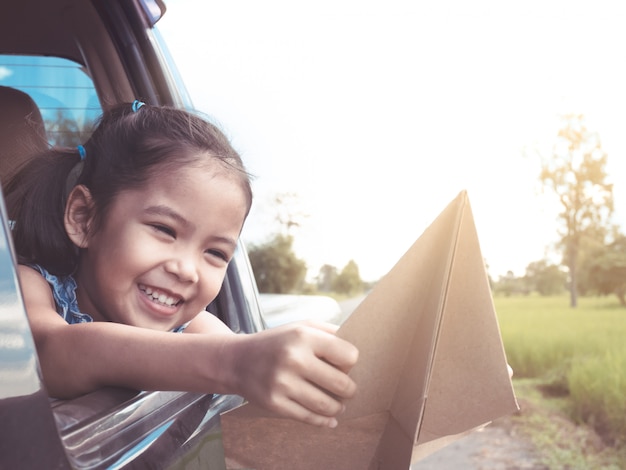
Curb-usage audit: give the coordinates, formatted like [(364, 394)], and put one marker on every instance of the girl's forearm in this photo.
[(77, 359), (297, 371)]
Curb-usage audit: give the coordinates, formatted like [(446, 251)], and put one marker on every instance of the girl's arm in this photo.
[(298, 371)]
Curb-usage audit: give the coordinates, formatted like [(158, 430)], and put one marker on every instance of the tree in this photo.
[(509, 284), (544, 278), (349, 279), (576, 172), (276, 267), (607, 269), (326, 278), (592, 245)]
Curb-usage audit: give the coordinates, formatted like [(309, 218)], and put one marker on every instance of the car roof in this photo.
[(89, 32), (32, 26)]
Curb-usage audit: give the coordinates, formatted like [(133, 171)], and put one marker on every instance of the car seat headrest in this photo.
[(22, 130)]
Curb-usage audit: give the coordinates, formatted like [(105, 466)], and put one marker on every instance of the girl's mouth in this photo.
[(160, 297)]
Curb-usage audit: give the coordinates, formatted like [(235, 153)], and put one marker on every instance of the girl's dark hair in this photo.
[(126, 149)]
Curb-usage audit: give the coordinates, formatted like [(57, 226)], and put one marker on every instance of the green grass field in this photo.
[(577, 354)]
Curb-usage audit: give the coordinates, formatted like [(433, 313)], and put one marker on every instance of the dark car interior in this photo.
[(75, 30)]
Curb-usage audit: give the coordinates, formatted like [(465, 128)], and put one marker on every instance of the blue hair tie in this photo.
[(82, 152), (136, 105)]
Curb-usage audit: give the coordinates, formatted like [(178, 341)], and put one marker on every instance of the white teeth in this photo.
[(158, 297)]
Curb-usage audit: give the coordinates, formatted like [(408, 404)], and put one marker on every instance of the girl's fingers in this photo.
[(321, 340), (324, 326), (337, 351), (310, 405), (329, 378), (301, 372), (318, 401), (327, 361)]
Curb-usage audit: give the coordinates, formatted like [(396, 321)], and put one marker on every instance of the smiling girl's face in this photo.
[(159, 255)]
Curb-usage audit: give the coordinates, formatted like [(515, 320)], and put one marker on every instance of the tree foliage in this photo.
[(326, 278), (545, 278), (576, 172), (276, 267), (607, 269), (349, 279), (509, 284)]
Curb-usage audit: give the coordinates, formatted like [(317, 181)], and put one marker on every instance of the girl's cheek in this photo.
[(214, 282), (216, 286)]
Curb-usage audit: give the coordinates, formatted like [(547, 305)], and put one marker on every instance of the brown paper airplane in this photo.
[(431, 366)]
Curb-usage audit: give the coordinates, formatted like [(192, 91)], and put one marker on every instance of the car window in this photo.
[(63, 91)]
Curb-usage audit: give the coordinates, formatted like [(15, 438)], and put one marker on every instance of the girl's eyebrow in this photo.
[(165, 211)]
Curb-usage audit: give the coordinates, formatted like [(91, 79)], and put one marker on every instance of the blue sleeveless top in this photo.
[(64, 294)]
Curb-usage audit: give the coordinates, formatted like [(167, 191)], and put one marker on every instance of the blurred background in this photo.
[(366, 118), (362, 120)]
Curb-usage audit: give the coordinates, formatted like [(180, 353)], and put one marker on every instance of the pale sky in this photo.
[(377, 114)]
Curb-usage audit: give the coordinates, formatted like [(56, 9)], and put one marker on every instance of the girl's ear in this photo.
[(79, 215)]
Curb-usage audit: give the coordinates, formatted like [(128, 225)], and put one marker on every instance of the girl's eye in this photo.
[(164, 229), (218, 254)]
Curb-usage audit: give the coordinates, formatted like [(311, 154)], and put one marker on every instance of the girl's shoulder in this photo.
[(39, 274), (45, 274), (61, 290), (35, 288), (30, 275)]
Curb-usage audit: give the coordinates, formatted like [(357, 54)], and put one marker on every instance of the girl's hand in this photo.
[(299, 370)]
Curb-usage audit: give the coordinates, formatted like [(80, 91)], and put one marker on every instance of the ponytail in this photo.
[(35, 198)]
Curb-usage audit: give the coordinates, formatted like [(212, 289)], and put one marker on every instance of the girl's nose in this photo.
[(184, 269)]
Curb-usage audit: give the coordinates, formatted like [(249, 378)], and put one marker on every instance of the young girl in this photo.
[(125, 240)]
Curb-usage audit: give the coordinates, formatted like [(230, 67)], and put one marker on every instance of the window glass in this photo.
[(61, 88)]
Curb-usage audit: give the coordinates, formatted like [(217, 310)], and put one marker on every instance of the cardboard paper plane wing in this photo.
[(431, 366)]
